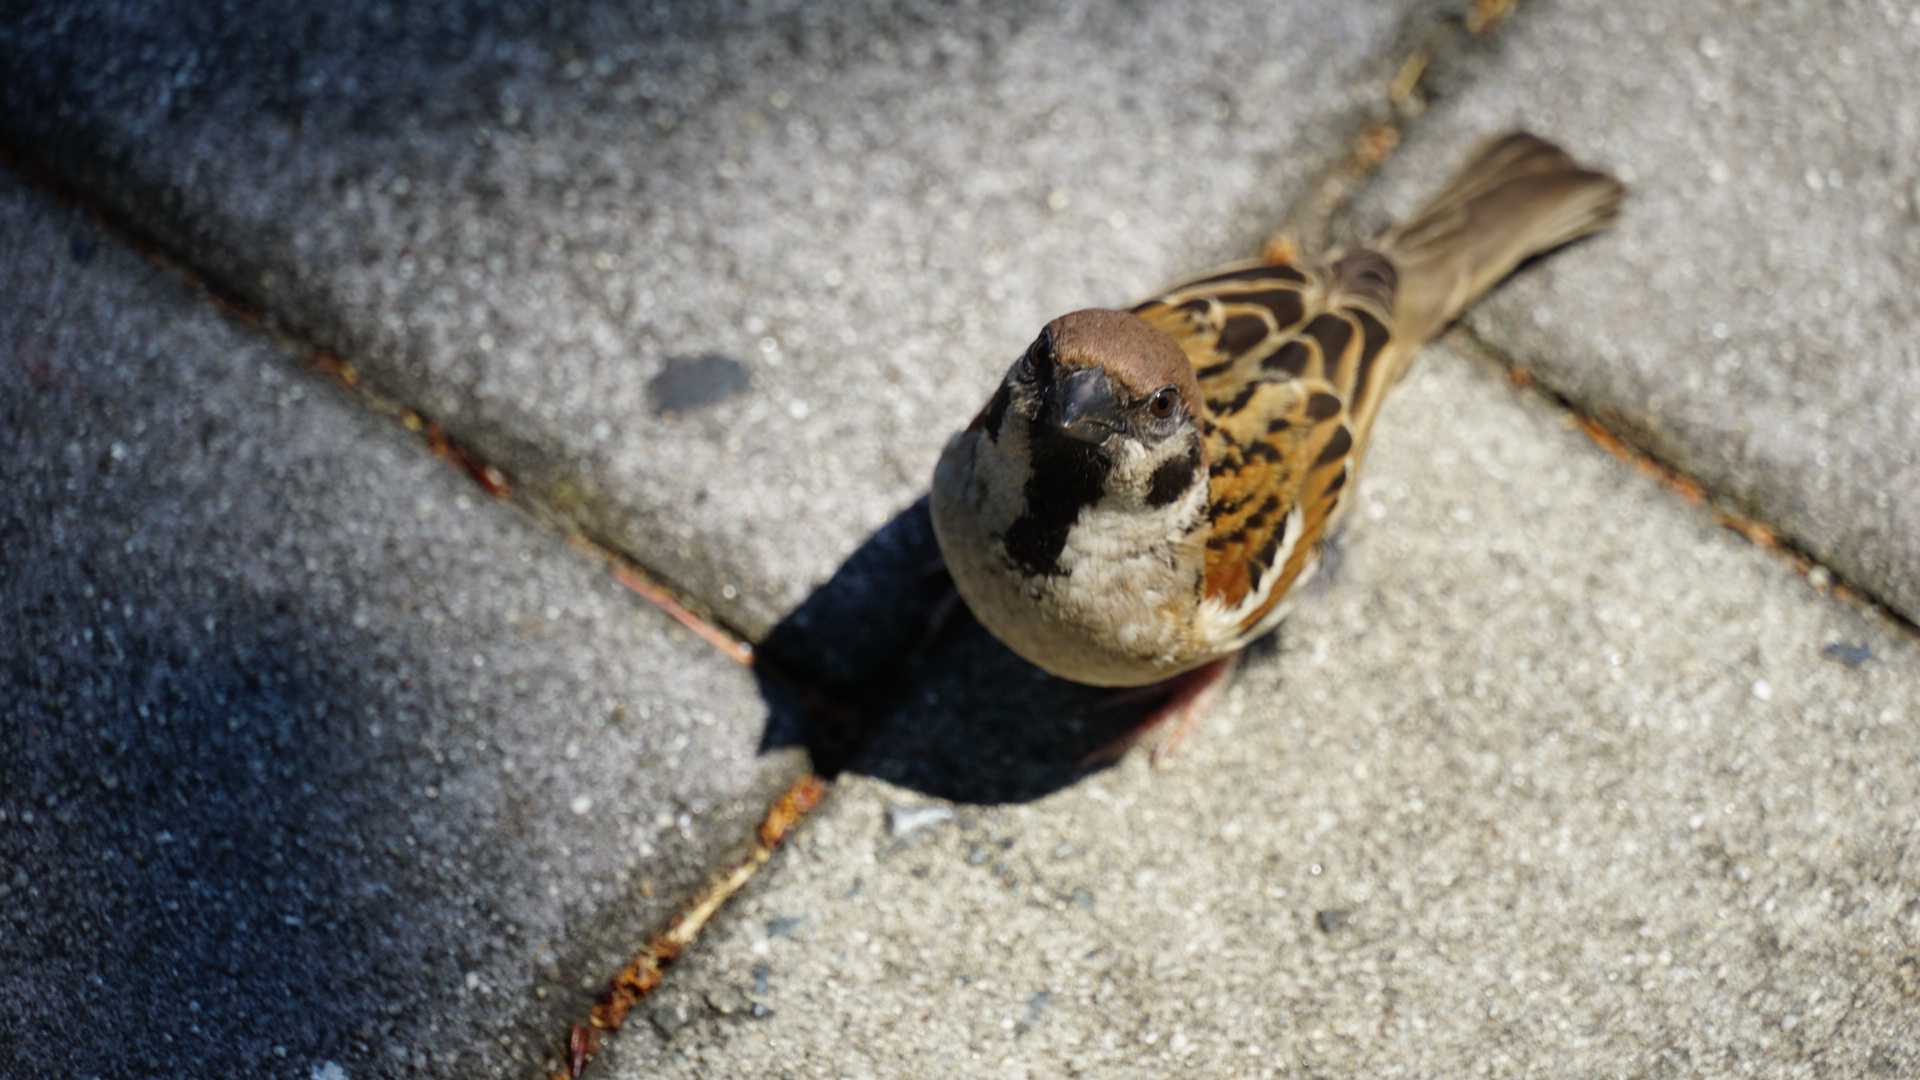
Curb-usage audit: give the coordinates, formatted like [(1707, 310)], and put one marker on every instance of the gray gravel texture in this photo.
[(1556, 779), (1756, 323), (310, 754), (715, 281)]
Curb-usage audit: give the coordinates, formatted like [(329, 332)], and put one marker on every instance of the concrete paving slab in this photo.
[(1752, 319), (1557, 778), (716, 282), (314, 762)]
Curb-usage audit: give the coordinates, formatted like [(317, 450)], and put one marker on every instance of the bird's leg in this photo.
[(1188, 697), (1194, 699), (940, 613)]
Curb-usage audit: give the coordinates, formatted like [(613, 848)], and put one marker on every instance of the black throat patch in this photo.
[(1172, 478), (1068, 476)]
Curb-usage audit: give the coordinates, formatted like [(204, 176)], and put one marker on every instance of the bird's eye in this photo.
[(1037, 361), (1164, 403)]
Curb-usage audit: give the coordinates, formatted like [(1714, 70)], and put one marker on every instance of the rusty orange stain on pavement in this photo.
[(799, 800), (643, 974), (491, 480), (334, 368), (1485, 16), (637, 580), (1375, 146), (1662, 473), (1403, 89), (1756, 532)]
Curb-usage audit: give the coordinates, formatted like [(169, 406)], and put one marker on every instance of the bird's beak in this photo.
[(1083, 406)]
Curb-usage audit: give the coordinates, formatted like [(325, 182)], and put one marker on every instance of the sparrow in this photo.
[(1147, 489)]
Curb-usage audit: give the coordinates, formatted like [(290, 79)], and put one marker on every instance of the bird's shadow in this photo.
[(869, 677)]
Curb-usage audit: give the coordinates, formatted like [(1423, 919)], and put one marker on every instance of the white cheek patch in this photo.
[(1000, 473)]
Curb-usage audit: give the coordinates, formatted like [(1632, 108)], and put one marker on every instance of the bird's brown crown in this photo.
[(1139, 358)]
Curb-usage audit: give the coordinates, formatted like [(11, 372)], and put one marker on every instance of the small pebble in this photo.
[(1036, 1005), (1851, 654), (906, 820)]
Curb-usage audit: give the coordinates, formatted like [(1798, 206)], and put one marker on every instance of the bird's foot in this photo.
[(1185, 698)]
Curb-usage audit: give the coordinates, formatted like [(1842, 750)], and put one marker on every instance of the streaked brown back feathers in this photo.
[(1294, 361)]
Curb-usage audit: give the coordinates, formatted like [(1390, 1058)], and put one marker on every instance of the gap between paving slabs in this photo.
[(1307, 224), (643, 972), (1310, 219), (639, 977), (1672, 478), (1319, 216), (646, 972)]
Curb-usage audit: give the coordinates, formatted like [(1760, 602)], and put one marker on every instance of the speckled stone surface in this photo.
[(314, 762), (707, 280), (311, 757), (1556, 779), (1753, 320)]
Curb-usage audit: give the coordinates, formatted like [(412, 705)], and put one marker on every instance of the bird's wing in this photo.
[(1292, 362)]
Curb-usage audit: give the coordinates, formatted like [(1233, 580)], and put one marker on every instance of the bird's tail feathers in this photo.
[(1518, 196)]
